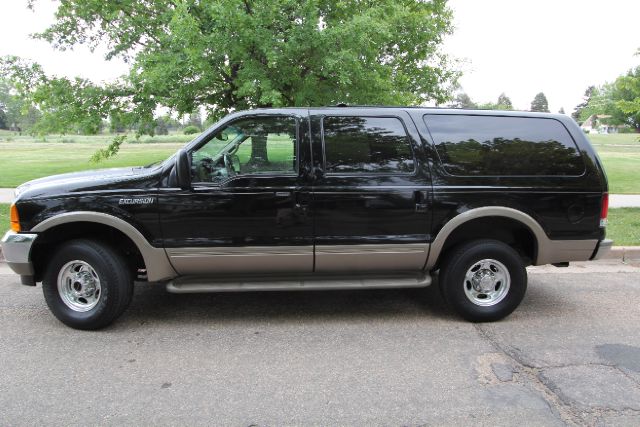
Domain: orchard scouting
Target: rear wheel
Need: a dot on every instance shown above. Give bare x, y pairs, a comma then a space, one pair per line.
87, 284
483, 280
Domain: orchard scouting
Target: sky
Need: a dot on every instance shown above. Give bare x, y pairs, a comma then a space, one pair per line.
558, 47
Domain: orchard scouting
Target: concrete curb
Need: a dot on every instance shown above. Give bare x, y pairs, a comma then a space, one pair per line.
624, 253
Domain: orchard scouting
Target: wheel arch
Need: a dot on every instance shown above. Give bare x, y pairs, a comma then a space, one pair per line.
155, 259
455, 225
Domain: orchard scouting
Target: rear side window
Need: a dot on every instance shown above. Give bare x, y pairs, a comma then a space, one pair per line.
505, 146
367, 145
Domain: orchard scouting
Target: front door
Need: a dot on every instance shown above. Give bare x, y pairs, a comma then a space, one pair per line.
247, 211
371, 195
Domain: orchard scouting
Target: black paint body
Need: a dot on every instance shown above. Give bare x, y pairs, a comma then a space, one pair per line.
318, 208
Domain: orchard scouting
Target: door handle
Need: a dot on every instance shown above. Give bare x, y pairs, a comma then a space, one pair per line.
422, 201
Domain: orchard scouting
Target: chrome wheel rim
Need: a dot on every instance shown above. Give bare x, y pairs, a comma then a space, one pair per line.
487, 282
79, 286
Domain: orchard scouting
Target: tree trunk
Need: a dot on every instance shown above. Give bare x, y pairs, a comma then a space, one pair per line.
259, 150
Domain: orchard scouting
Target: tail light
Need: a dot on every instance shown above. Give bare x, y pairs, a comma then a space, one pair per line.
604, 210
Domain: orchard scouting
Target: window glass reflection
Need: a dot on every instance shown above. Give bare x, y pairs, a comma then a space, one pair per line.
507, 146
366, 145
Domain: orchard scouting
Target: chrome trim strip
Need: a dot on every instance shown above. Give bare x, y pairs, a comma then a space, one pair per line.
370, 257
549, 251
16, 249
243, 259
393, 248
155, 259
239, 251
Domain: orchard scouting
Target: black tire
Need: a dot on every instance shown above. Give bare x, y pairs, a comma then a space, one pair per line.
463, 259
115, 280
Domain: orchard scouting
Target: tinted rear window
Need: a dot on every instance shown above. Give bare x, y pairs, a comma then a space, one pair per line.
506, 146
366, 145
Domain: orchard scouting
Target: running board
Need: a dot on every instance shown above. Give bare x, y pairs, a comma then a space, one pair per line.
191, 284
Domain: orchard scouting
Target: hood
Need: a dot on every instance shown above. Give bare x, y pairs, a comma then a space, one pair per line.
91, 180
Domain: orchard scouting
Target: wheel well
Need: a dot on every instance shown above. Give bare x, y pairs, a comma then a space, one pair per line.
50, 239
507, 230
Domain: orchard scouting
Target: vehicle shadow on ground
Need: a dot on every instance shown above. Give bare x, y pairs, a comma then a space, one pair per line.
152, 303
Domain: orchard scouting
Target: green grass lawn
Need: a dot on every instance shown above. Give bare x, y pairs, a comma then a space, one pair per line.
23, 161
4, 218
624, 226
621, 157
102, 139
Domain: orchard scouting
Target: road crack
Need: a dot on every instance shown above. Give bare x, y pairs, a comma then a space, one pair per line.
530, 377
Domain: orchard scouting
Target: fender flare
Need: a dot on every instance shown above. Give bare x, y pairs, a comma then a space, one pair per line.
542, 241
155, 259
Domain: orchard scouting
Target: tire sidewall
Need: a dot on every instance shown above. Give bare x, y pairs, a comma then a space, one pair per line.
463, 259
106, 309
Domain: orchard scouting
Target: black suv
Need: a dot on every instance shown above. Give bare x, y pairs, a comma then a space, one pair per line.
321, 198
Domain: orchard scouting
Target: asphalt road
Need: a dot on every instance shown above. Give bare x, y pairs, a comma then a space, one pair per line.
569, 355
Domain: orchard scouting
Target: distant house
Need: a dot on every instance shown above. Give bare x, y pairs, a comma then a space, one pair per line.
596, 123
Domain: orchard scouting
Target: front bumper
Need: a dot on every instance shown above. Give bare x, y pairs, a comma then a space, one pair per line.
604, 246
16, 248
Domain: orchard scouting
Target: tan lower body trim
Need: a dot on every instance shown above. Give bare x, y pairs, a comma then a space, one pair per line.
362, 258
247, 259
552, 251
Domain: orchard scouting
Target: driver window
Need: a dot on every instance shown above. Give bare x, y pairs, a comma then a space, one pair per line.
257, 145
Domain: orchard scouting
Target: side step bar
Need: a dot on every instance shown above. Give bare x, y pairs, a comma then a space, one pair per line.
191, 284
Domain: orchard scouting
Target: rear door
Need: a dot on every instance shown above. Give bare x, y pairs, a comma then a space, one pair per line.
371, 197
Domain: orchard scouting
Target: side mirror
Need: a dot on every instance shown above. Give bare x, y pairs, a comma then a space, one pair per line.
183, 170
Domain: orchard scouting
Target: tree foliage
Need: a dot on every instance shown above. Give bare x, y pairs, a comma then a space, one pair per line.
3, 118
540, 103
462, 100
229, 54
627, 96
619, 101
577, 112
19, 114
504, 102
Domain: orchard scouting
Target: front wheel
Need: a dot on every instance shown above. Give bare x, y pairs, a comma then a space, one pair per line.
483, 280
87, 284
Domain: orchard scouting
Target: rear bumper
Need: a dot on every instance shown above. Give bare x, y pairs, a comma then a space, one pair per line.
16, 248
604, 246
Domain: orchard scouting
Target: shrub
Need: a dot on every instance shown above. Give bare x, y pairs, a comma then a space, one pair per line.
190, 130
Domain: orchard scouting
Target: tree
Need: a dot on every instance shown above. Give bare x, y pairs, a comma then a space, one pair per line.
195, 120
3, 118
504, 102
614, 102
561, 110
161, 127
577, 112
19, 115
462, 100
627, 97
601, 103
540, 103
230, 54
